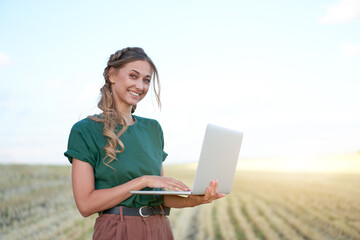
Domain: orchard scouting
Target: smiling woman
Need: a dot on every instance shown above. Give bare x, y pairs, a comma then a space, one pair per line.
123, 68
115, 152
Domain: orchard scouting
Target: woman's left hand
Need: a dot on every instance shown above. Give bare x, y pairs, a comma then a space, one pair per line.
210, 195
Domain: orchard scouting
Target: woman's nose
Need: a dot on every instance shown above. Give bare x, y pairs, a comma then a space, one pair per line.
139, 85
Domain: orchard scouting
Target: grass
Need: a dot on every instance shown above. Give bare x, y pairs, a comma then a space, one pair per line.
37, 203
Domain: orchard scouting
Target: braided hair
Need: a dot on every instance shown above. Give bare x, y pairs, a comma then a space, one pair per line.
109, 116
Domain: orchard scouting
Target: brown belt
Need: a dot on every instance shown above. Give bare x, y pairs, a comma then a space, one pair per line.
143, 211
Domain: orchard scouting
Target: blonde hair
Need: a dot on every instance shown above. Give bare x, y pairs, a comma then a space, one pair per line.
109, 116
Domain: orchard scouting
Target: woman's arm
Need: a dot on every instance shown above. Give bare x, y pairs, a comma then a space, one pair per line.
193, 200
89, 201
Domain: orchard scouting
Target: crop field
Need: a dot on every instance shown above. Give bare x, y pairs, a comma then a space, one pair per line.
277, 206
37, 203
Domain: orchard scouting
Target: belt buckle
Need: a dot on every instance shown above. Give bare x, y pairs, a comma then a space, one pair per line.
140, 212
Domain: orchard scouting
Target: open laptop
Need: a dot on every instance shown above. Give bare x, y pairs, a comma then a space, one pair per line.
218, 158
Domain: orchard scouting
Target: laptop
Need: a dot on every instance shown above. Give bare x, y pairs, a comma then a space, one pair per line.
218, 159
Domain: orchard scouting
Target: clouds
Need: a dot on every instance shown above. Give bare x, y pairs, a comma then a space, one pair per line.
55, 83
4, 59
343, 11
350, 49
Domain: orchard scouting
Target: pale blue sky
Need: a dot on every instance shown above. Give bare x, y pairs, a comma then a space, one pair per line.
284, 72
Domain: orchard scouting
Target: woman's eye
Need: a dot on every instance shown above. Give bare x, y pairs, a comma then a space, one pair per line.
147, 80
132, 75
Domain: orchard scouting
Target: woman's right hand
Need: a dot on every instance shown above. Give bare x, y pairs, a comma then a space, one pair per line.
165, 182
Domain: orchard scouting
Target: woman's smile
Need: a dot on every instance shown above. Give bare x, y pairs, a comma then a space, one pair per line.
137, 95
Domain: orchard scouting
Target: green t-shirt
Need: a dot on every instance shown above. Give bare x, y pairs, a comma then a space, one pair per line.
143, 155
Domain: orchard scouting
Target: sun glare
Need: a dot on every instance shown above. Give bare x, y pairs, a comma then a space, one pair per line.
304, 164
345, 163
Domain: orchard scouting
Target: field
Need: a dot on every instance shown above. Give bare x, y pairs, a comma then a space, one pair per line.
37, 203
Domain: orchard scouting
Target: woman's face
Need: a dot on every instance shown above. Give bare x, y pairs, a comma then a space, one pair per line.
130, 84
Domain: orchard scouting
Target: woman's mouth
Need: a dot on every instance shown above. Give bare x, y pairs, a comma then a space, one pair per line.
134, 94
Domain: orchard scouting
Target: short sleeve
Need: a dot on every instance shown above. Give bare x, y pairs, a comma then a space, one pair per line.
79, 147
164, 155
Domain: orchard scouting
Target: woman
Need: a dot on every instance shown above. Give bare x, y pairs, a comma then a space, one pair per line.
115, 152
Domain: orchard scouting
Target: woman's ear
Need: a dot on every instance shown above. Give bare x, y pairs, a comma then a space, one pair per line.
112, 72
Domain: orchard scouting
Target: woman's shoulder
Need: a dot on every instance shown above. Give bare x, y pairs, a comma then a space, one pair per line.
149, 125
146, 121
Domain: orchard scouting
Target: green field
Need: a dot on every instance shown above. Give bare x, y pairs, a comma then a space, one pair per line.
37, 203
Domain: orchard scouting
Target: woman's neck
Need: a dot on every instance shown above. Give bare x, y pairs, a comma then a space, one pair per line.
125, 116
129, 120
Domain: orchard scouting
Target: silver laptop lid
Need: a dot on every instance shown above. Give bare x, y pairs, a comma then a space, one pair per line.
218, 159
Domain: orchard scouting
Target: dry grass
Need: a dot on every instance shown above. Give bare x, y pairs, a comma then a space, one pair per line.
37, 203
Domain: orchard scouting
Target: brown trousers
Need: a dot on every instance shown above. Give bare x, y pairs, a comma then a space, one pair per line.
111, 227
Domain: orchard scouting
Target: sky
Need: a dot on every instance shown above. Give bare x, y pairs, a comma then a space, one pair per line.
286, 73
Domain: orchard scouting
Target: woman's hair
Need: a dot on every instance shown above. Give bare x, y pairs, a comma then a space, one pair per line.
109, 116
